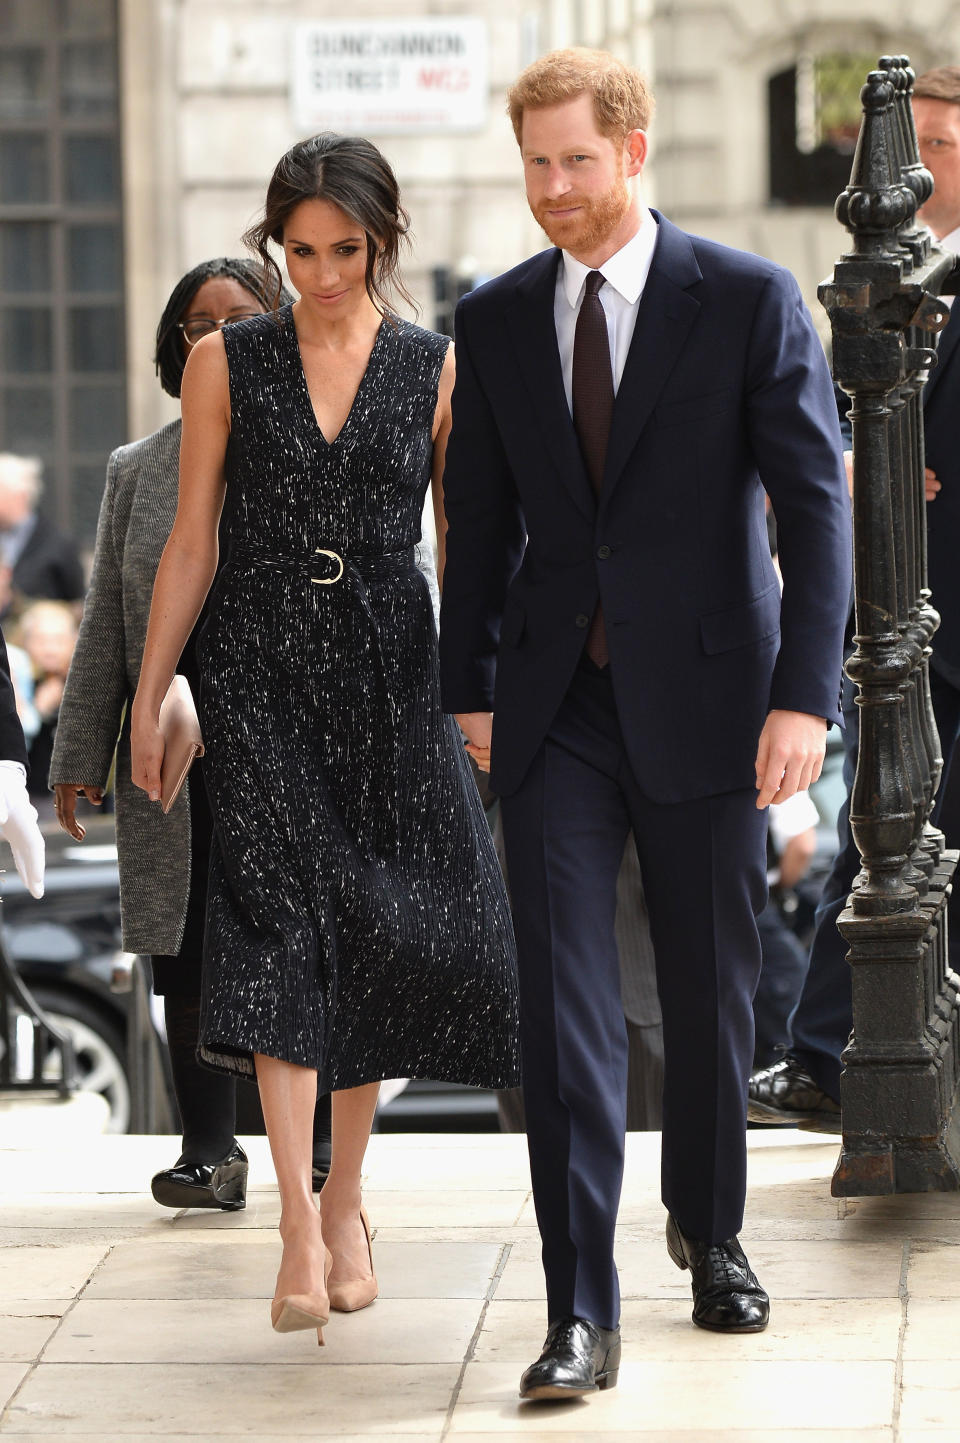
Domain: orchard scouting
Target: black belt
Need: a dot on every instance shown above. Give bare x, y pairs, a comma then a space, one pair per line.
325, 567
375, 722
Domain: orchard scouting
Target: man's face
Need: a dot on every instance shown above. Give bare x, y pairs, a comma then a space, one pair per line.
576, 178
938, 131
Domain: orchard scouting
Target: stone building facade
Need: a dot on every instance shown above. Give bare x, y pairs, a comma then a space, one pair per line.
206, 107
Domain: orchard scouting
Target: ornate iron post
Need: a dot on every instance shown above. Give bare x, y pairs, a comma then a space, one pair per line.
900, 1106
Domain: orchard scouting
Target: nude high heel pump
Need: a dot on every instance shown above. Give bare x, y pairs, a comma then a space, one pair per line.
350, 1297
298, 1311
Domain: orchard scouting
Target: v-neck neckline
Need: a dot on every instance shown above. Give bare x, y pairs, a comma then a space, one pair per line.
308, 399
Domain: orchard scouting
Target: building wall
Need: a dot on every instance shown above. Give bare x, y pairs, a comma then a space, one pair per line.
207, 114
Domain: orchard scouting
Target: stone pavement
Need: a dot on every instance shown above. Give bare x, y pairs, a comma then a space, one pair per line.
120, 1321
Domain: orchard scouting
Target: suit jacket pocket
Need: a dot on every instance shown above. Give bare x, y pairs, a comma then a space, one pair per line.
694, 409
752, 621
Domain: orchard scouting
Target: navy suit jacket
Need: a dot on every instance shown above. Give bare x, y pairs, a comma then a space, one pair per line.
941, 424
725, 383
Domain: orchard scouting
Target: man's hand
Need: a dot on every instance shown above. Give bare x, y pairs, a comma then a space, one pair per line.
18, 825
477, 727
930, 483
790, 755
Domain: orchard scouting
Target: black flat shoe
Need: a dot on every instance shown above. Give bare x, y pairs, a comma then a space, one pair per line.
727, 1298
321, 1162
220, 1184
786, 1093
577, 1358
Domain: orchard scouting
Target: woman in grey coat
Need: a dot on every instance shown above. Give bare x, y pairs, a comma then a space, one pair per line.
163, 859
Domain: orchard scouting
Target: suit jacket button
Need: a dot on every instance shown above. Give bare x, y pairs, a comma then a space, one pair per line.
603, 552
583, 620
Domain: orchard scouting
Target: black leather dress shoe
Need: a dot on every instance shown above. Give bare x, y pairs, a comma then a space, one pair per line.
727, 1298
786, 1093
220, 1184
577, 1358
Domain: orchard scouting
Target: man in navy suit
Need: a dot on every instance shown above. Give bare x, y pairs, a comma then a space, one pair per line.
612, 636
804, 1085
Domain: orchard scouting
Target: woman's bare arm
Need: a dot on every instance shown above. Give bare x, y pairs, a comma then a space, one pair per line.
441, 430
189, 560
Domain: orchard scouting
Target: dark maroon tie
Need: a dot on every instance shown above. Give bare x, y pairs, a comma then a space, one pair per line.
592, 409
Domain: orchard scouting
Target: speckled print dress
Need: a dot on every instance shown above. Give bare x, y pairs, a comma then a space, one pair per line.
357, 921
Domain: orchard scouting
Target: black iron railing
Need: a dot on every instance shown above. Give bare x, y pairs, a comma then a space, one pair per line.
901, 1129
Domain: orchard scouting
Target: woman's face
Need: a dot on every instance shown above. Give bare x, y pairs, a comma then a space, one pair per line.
326, 255
219, 299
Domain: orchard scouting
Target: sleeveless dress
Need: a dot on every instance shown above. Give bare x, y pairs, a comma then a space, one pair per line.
357, 921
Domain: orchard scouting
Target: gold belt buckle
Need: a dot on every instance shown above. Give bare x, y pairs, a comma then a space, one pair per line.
327, 580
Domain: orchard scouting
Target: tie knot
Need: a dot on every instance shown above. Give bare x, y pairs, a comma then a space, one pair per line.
595, 279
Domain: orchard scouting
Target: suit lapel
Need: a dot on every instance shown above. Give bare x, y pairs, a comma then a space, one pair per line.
664, 318
949, 337
534, 334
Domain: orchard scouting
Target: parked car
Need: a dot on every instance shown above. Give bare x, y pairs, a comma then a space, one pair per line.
67, 949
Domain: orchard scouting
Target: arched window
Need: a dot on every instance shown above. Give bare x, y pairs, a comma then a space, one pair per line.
814, 116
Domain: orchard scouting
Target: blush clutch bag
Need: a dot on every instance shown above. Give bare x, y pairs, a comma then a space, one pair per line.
182, 742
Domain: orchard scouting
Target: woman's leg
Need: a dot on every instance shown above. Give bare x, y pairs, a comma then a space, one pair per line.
288, 1095
343, 1232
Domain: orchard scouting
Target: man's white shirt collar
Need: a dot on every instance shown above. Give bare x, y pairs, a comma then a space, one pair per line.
626, 270
951, 242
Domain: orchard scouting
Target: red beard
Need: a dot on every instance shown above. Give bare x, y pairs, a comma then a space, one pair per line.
597, 218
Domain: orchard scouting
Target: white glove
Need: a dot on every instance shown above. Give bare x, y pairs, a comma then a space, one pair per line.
18, 824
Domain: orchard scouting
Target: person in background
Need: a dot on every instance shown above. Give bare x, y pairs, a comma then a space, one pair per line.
18, 818
791, 843
163, 859
36, 560
804, 1084
47, 632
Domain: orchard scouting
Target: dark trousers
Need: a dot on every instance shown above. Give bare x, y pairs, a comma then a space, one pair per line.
704, 875
823, 1020
782, 975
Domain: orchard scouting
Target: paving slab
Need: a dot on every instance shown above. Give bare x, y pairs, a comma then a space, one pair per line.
122, 1321
48, 1272
236, 1330
685, 1395
290, 1400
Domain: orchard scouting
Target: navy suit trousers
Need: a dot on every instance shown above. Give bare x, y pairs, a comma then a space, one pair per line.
823, 1019
703, 865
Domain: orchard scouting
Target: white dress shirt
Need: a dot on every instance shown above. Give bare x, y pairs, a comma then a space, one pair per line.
626, 275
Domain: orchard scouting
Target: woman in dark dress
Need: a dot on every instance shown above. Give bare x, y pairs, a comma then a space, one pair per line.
357, 926
163, 860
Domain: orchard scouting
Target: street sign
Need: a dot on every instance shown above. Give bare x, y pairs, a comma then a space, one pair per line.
390, 77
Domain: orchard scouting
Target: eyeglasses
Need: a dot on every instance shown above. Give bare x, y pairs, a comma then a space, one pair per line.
194, 331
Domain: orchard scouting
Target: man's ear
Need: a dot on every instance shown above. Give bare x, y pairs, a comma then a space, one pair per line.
635, 147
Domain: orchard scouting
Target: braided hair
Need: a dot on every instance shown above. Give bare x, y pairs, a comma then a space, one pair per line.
169, 357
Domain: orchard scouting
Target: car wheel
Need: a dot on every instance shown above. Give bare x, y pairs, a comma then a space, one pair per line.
99, 1047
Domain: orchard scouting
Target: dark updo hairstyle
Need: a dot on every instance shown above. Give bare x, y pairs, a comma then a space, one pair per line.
170, 357
351, 173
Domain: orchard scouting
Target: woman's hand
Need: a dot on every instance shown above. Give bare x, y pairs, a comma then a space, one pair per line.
66, 794
146, 754
477, 728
